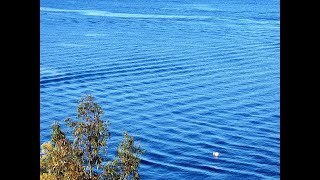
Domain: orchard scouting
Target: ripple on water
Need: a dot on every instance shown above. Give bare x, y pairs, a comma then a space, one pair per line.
186, 79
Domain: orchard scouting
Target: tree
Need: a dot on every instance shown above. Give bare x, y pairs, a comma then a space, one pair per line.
62, 159
127, 163
90, 133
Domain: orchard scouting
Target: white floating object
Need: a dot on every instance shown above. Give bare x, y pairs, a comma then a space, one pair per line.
215, 154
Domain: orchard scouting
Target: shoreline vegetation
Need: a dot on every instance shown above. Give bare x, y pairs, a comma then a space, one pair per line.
81, 159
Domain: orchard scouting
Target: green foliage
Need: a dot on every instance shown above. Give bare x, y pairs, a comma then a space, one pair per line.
90, 132
57, 134
112, 170
127, 163
62, 159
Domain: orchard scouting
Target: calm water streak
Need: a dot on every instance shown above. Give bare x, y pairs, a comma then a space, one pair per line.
186, 78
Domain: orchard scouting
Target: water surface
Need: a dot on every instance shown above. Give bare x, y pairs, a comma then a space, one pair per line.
186, 78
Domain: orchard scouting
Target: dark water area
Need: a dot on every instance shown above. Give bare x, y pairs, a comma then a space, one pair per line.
186, 78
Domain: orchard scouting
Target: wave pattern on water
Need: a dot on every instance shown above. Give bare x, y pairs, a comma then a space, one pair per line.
185, 79
121, 15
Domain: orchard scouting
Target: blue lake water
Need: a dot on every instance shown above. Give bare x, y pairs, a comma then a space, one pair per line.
186, 78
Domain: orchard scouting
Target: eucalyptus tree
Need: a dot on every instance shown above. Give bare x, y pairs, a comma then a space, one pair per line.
65, 160
90, 132
59, 159
126, 164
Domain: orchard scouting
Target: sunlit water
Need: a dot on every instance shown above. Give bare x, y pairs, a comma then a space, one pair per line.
186, 78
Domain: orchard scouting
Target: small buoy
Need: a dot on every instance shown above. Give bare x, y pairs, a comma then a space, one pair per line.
215, 154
